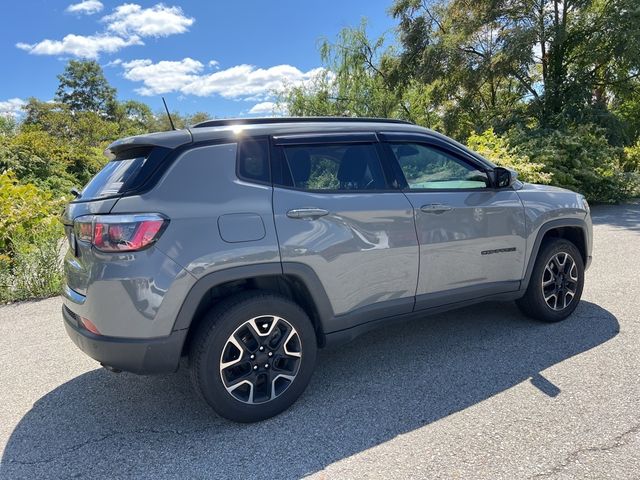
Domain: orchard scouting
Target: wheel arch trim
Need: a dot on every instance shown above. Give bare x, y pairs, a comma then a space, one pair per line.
542, 231
299, 271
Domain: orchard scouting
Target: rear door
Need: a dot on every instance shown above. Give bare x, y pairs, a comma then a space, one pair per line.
335, 213
471, 235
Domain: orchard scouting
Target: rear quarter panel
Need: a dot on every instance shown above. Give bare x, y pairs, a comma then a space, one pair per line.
200, 193
207, 204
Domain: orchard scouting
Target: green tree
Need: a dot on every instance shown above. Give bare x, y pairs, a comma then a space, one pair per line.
83, 88
161, 121
556, 61
133, 118
35, 156
466, 54
8, 125
70, 142
355, 82
60, 120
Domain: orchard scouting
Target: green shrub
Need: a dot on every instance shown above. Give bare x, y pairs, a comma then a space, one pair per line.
497, 149
631, 161
30, 241
579, 158
35, 269
22, 209
39, 158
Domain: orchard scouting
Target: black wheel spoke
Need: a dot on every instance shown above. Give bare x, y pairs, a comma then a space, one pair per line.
278, 335
237, 373
247, 337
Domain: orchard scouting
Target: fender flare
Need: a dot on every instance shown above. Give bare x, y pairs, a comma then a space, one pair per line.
299, 271
542, 231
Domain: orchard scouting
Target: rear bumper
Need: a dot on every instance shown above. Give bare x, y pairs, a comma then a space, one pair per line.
141, 356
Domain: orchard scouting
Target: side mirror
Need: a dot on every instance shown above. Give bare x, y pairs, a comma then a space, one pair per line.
504, 177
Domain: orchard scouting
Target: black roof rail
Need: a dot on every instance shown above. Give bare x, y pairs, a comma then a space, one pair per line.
268, 120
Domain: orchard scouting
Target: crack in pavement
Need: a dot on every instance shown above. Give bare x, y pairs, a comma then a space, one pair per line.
618, 441
75, 448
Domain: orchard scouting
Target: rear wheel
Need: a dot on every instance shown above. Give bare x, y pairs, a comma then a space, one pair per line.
253, 356
556, 283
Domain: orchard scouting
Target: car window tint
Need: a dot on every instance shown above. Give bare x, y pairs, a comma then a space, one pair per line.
113, 178
430, 168
334, 167
253, 160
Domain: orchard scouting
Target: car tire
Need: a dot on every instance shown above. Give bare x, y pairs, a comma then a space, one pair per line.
556, 282
253, 356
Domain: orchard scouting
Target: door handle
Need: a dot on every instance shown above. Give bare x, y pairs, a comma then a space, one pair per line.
436, 208
308, 213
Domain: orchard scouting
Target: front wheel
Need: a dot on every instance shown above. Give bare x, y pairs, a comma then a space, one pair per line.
556, 283
253, 356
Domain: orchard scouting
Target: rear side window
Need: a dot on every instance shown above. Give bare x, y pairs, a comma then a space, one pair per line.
253, 160
332, 167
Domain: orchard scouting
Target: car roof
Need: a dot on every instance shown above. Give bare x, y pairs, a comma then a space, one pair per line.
220, 122
220, 129
217, 129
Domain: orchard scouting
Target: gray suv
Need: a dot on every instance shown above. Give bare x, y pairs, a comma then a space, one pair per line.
246, 245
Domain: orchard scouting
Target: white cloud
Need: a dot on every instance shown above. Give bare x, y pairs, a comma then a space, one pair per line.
241, 81
162, 77
124, 27
246, 80
12, 107
266, 108
157, 21
80, 46
114, 63
87, 7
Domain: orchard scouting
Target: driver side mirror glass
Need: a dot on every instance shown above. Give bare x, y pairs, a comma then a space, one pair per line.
504, 177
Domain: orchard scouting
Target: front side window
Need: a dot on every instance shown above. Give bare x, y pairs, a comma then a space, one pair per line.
332, 167
427, 167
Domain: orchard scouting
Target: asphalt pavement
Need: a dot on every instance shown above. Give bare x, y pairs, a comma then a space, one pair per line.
481, 392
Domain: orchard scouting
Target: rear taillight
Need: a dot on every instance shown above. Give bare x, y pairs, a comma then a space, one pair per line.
120, 233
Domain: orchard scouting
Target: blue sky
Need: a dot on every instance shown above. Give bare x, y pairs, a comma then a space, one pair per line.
221, 57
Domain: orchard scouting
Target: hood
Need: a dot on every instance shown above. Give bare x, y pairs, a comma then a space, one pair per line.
534, 187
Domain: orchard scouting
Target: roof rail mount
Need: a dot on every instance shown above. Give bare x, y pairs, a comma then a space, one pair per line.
267, 120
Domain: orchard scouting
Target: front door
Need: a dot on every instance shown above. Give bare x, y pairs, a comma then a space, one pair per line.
471, 235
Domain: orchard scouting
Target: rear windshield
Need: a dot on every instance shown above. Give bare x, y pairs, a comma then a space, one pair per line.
134, 170
113, 179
